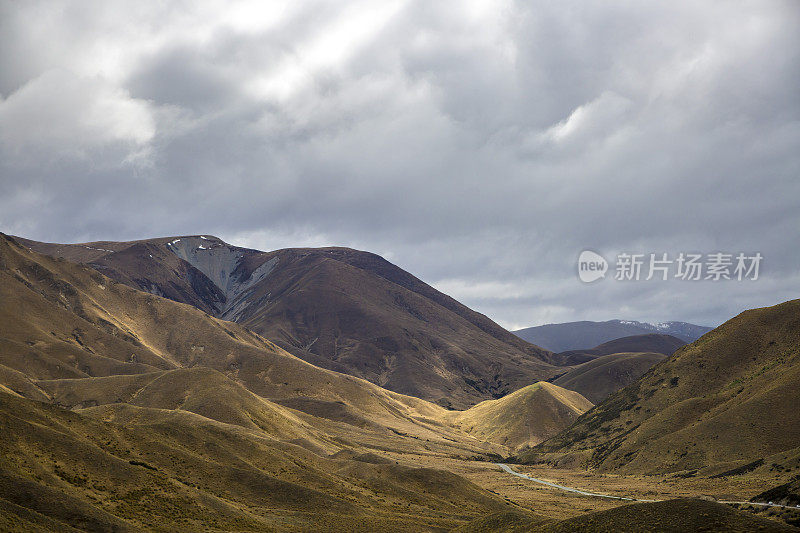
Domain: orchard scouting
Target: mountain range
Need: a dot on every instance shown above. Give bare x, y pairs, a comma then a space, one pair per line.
337, 308
579, 335
123, 410
183, 383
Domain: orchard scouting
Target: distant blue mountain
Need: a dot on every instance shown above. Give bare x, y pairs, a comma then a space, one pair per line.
586, 334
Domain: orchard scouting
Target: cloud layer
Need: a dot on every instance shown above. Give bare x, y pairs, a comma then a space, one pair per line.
480, 145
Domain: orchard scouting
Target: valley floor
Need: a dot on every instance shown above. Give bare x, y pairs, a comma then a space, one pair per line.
559, 504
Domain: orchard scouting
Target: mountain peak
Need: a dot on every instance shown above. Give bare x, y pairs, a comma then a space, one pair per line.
339, 308
570, 336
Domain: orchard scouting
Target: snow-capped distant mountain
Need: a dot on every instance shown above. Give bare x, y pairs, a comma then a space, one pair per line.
682, 330
586, 334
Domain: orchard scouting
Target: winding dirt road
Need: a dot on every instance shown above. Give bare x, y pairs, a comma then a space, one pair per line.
511, 471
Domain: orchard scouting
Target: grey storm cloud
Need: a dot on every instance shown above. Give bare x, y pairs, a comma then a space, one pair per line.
480, 145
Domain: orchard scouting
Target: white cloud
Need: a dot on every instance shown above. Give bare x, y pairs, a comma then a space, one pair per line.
592, 121
479, 144
59, 113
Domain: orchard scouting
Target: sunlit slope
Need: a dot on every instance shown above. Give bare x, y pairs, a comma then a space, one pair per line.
199, 390
60, 320
525, 417
321, 425
174, 470
338, 308
726, 400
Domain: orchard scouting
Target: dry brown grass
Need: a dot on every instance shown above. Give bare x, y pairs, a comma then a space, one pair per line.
727, 400
523, 418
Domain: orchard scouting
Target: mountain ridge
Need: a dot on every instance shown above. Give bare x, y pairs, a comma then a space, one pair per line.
338, 308
580, 335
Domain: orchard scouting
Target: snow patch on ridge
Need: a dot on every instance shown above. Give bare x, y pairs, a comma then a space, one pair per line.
219, 262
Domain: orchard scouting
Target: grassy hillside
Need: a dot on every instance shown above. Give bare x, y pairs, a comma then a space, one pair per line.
341, 309
673, 516
174, 470
525, 417
726, 401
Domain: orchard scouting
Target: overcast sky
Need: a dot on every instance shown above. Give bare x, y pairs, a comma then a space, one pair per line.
481, 145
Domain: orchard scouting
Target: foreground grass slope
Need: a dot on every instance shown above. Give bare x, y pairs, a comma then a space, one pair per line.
673, 516
143, 468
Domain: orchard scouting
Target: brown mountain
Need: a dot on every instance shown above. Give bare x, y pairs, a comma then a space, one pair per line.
649, 343
337, 308
599, 377
70, 334
722, 405
179, 420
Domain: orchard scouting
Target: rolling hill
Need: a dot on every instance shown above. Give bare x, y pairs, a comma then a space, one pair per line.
523, 418
127, 468
63, 326
649, 343
723, 405
338, 308
125, 411
598, 378
579, 335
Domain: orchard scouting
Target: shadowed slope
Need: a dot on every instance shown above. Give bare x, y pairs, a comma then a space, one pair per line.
339, 315
650, 343
598, 378
673, 516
